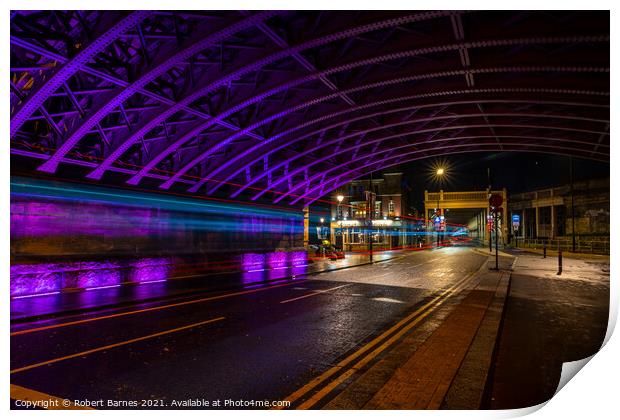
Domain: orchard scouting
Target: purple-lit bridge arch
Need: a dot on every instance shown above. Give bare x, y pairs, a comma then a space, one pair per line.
286, 106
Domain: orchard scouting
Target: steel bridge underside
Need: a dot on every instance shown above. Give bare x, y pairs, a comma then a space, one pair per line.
285, 106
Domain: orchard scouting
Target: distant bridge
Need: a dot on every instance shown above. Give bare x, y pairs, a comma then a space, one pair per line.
442, 200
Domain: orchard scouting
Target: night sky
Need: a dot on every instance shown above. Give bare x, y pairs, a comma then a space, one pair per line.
517, 172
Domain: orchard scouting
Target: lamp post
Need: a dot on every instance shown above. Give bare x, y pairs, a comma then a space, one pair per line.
439, 173
340, 197
322, 220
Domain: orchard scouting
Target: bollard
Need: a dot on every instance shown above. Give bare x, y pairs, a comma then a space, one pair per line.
544, 249
559, 262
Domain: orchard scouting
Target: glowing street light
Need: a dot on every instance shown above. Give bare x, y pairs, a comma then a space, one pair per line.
440, 172
340, 197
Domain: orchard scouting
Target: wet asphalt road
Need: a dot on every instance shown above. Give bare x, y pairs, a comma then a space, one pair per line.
261, 344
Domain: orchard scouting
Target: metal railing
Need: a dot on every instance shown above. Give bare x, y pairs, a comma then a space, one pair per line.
589, 246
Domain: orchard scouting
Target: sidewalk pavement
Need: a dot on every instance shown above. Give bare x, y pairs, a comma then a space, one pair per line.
550, 319
566, 254
585, 269
485, 251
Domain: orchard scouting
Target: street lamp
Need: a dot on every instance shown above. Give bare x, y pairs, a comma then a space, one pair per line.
340, 197
439, 173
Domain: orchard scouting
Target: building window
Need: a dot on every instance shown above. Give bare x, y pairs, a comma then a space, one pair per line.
377, 210
391, 208
357, 236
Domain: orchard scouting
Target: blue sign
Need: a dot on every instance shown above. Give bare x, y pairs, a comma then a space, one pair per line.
516, 218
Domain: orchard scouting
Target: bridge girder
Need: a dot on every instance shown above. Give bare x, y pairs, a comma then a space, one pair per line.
288, 105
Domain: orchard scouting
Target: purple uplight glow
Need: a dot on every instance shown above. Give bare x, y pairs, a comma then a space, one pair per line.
277, 260
299, 258
36, 283
97, 279
273, 265
150, 270
253, 262
39, 279
253, 267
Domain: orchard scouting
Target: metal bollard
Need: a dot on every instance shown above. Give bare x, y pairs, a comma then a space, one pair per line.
559, 262
544, 249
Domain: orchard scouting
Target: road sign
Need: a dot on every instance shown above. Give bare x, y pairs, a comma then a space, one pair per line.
496, 200
516, 222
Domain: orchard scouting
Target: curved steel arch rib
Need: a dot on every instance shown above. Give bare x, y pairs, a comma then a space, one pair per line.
125, 93
204, 155
290, 102
359, 118
341, 151
97, 173
37, 99
435, 130
244, 103
356, 173
386, 162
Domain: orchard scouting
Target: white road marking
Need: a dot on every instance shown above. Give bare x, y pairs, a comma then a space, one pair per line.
315, 293
386, 299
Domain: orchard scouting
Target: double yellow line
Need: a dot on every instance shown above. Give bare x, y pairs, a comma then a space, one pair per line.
338, 374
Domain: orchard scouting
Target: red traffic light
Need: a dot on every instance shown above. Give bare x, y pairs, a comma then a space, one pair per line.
496, 200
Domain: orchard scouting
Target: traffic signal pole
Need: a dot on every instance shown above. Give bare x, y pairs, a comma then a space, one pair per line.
370, 206
490, 237
496, 246
495, 202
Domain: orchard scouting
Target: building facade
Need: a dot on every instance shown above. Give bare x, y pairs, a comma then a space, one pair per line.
552, 212
385, 215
